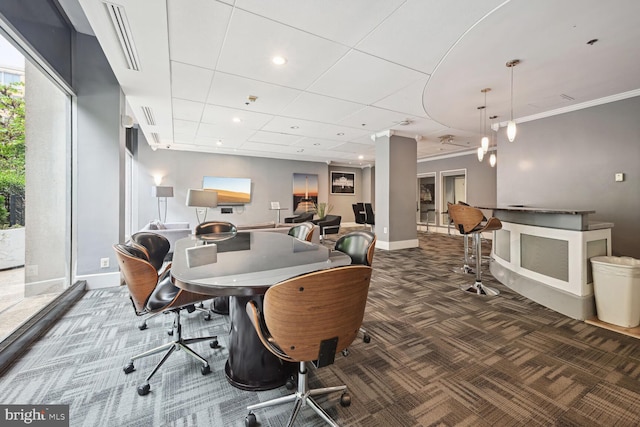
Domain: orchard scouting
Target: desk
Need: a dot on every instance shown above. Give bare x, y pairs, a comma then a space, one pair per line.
246, 265
544, 255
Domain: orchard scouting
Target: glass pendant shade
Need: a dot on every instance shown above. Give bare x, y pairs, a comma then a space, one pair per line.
511, 130
484, 144
480, 154
492, 160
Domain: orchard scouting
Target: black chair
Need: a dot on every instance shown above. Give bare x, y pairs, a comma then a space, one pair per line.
157, 247
303, 231
151, 293
369, 218
358, 213
304, 217
360, 246
330, 224
309, 319
219, 305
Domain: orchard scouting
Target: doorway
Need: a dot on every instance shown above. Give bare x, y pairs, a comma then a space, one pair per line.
427, 213
454, 190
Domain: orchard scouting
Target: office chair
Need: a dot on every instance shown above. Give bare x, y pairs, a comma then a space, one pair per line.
156, 248
151, 293
360, 246
370, 217
303, 231
310, 318
469, 221
358, 213
219, 305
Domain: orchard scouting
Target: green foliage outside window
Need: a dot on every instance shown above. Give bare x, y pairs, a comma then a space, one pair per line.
12, 146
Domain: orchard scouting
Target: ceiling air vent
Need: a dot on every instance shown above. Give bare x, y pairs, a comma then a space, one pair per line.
123, 31
148, 115
156, 137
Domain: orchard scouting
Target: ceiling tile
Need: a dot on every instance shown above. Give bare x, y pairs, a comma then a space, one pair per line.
196, 31
233, 91
248, 53
187, 110
224, 132
316, 143
347, 27
189, 82
274, 138
407, 100
185, 128
363, 78
320, 108
374, 119
225, 116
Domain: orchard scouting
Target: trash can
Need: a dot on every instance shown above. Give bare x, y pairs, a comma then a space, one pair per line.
616, 285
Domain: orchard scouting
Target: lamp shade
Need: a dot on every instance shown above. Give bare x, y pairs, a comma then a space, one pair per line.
162, 191
202, 198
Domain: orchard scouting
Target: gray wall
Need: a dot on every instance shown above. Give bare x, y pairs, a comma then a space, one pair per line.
481, 178
271, 180
569, 161
100, 141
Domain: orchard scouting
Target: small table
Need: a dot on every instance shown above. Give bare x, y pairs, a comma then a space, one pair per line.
278, 214
244, 266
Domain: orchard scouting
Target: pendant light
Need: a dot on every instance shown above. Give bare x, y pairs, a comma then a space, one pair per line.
494, 141
485, 139
492, 160
481, 150
480, 154
511, 125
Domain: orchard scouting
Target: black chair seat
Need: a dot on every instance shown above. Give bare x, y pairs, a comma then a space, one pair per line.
163, 294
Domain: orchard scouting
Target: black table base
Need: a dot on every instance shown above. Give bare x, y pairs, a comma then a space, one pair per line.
250, 365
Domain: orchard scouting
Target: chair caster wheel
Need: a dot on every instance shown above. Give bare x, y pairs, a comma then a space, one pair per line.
250, 420
142, 326
207, 317
366, 338
205, 369
345, 400
170, 332
129, 368
345, 352
214, 344
144, 389
290, 384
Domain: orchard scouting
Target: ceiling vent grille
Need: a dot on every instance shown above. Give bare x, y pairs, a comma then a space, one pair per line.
156, 137
148, 115
123, 31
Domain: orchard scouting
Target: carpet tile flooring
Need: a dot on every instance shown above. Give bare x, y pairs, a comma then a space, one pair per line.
438, 357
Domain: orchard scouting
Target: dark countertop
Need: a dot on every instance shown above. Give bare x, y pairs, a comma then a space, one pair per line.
531, 209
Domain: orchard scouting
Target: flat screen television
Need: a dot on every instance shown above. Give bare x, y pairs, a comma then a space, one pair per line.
231, 191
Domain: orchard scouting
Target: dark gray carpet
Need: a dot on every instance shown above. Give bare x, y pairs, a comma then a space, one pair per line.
437, 357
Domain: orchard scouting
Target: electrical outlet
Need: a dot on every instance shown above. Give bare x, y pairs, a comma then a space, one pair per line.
104, 262
384, 230
619, 177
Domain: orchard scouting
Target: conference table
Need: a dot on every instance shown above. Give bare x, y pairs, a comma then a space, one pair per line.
243, 266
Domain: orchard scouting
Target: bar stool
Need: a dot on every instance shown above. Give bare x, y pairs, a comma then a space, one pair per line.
469, 221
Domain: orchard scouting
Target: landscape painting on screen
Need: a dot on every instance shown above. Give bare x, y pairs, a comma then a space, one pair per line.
231, 191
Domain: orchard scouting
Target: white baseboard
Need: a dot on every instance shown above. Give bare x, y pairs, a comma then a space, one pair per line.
103, 280
392, 246
44, 287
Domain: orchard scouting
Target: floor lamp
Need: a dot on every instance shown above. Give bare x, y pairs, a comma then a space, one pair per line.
202, 199
162, 192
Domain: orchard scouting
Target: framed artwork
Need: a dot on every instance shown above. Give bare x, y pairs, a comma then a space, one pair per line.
343, 182
305, 193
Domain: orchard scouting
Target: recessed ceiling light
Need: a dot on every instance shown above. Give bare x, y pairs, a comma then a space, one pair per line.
236, 120
316, 144
279, 60
360, 157
300, 150
340, 133
294, 127
219, 143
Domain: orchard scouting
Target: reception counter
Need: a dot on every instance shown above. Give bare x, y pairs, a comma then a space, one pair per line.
543, 254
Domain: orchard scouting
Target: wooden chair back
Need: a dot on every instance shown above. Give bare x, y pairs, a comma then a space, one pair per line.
465, 218
140, 276
360, 245
302, 312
